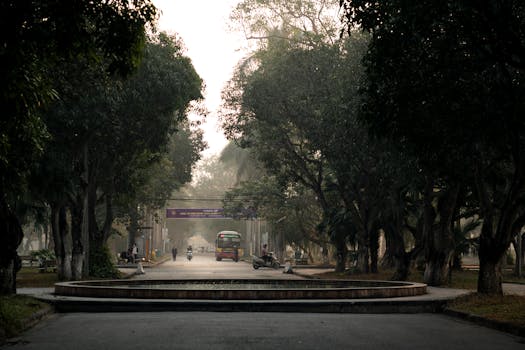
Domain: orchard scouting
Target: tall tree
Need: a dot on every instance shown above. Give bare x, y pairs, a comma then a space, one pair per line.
33, 35
445, 78
287, 110
110, 140
152, 105
306, 23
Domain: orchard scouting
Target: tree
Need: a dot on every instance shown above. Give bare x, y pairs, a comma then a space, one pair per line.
444, 79
34, 34
248, 168
156, 182
106, 144
151, 106
287, 108
295, 104
306, 23
290, 210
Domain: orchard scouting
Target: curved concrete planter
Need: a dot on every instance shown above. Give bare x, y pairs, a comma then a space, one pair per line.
239, 289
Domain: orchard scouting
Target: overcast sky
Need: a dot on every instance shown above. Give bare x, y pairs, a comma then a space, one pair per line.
213, 49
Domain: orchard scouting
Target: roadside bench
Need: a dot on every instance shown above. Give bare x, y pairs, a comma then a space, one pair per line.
47, 266
301, 261
27, 260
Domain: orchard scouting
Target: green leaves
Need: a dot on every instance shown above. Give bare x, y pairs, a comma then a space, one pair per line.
36, 35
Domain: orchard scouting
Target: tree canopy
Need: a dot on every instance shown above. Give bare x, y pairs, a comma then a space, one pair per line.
35, 36
445, 79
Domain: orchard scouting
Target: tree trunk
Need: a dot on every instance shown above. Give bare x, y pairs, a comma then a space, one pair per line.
108, 222
77, 247
396, 250
374, 250
340, 255
11, 236
8, 276
82, 244
489, 279
341, 251
490, 256
57, 239
324, 252
62, 242
94, 234
440, 239
437, 268
363, 252
500, 225
133, 226
394, 247
518, 244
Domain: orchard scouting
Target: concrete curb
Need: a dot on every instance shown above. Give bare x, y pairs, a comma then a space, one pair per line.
73, 304
37, 317
500, 326
29, 322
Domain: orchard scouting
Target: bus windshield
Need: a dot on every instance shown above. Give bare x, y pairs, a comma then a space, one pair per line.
228, 245
228, 240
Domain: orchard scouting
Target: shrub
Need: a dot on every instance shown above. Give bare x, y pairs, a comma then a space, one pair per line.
43, 254
101, 264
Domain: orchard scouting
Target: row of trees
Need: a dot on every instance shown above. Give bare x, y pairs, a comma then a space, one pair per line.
410, 125
96, 125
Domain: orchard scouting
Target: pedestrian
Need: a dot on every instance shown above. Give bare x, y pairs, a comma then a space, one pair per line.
235, 253
130, 255
134, 252
174, 253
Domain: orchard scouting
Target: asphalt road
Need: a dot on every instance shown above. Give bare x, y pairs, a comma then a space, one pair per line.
240, 330
205, 330
205, 266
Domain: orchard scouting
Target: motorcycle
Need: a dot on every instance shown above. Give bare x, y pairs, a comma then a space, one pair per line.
271, 261
189, 255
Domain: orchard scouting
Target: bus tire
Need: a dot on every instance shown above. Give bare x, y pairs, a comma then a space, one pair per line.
218, 259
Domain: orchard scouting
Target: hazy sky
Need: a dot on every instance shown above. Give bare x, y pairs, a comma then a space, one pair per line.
203, 26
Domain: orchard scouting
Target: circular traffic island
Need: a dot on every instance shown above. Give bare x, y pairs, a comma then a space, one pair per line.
239, 289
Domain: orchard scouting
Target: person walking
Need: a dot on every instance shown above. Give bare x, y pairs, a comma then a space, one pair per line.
174, 253
235, 253
134, 252
130, 255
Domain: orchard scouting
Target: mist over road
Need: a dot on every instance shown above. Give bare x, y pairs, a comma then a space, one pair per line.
204, 265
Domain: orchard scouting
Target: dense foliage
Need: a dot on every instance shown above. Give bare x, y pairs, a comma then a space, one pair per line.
35, 37
407, 128
445, 78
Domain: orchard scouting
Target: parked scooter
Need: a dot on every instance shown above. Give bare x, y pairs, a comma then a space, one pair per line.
270, 261
189, 255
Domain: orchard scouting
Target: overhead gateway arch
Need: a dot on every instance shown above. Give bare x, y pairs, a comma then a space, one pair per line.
196, 213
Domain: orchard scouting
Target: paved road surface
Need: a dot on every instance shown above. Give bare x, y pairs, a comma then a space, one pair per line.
205, 266
205, 330
241, 330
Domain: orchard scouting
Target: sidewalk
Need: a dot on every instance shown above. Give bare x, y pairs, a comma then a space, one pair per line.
435, 300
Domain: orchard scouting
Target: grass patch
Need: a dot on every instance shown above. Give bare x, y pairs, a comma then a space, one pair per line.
15, 311
506, 308
460, 279
32, 277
